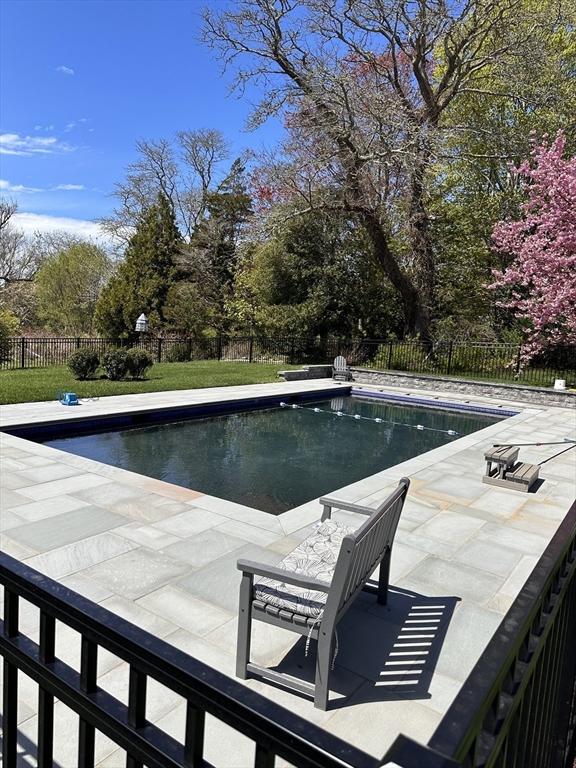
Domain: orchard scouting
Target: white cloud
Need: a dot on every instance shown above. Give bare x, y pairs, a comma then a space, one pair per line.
69, 187
35, 222
70, 126
14, 144
43, 127
6, 186
65, 70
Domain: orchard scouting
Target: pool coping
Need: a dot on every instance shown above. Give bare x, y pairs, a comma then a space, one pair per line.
307, 511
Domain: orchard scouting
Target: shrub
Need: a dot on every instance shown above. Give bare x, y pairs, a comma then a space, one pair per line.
138, 362
178, 353
83, 363
115, 364
9, 325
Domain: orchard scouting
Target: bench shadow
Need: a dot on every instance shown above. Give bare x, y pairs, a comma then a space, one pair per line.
393, 648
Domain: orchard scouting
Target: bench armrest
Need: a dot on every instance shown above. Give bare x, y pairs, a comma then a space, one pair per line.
279, 574
346, 505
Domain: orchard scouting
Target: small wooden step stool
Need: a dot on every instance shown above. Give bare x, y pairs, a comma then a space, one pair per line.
502, 469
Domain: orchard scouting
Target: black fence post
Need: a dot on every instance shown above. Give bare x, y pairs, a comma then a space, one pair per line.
450, 348
159, 349
77, 342
390, 346
251, 349
219, 347
22, 352
518, 359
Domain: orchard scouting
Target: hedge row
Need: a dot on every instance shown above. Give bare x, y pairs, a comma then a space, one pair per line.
117, 364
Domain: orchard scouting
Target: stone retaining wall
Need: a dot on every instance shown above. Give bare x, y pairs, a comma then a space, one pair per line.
537, 395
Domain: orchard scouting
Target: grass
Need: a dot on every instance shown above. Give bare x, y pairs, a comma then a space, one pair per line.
33, 384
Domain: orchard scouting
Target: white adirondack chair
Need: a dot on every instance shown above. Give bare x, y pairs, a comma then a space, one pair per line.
340, 370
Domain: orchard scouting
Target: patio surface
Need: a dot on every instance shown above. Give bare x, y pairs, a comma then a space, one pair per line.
164, 557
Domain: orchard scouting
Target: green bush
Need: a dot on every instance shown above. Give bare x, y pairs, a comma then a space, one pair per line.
5, 346
115, 364
138, 362
9, 325
83, 363
178, 353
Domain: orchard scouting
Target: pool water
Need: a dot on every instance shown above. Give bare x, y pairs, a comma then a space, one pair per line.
278, 458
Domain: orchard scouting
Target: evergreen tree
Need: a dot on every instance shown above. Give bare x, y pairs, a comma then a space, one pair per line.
227, 209
212, 256
315, 276
143, 279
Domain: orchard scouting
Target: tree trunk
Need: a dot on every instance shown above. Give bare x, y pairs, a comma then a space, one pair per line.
416, 312
419, 236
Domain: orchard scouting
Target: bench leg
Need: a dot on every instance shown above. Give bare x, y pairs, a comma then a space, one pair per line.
384, 578
244, 627
323, 662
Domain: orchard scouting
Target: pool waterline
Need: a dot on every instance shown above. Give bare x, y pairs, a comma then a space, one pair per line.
275, 459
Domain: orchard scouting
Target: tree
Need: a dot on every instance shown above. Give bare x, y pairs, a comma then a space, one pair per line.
313, 277
20, 259
473, 186
365, 86
68, 286
190, 309
143, 279
210, 260
541, 279
9, 326
184, 171
18, 262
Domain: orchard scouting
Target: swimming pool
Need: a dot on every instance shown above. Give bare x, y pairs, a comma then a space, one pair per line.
277, 458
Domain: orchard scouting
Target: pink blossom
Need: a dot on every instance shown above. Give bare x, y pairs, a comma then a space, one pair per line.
541, 279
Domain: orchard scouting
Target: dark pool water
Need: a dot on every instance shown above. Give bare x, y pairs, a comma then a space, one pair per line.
277, 458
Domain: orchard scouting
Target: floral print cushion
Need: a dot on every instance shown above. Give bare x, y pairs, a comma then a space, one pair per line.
316, 558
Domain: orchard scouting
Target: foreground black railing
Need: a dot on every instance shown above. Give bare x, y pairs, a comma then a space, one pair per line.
274, 730
518, 706
491, 361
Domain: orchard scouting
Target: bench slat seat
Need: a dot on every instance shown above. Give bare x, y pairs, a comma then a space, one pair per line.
315, 558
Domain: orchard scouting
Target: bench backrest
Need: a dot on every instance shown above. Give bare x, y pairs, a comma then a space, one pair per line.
363, 550
340, 363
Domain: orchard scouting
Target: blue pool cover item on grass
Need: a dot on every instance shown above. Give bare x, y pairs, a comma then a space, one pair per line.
68, 398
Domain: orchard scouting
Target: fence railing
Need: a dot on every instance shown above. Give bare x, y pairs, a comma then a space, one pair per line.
516, 710
490, 361
274, 730
518, 706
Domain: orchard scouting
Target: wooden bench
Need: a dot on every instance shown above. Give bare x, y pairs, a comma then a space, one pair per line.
312, 588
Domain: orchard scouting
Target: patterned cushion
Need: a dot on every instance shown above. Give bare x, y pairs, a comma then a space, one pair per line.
316, 558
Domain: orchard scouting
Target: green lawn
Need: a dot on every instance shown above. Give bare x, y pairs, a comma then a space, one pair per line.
30, 384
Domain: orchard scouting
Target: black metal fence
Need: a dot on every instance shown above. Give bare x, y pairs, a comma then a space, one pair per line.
516, 710
477, 360
518, 706
274, 730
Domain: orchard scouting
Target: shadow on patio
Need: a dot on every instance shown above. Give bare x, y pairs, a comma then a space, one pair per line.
394, 647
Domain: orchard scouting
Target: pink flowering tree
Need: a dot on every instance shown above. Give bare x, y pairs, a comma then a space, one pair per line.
540, 282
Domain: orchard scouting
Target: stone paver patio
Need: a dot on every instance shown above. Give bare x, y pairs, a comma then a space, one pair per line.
165, 558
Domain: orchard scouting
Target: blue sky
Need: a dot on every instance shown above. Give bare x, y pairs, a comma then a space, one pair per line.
82, 80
